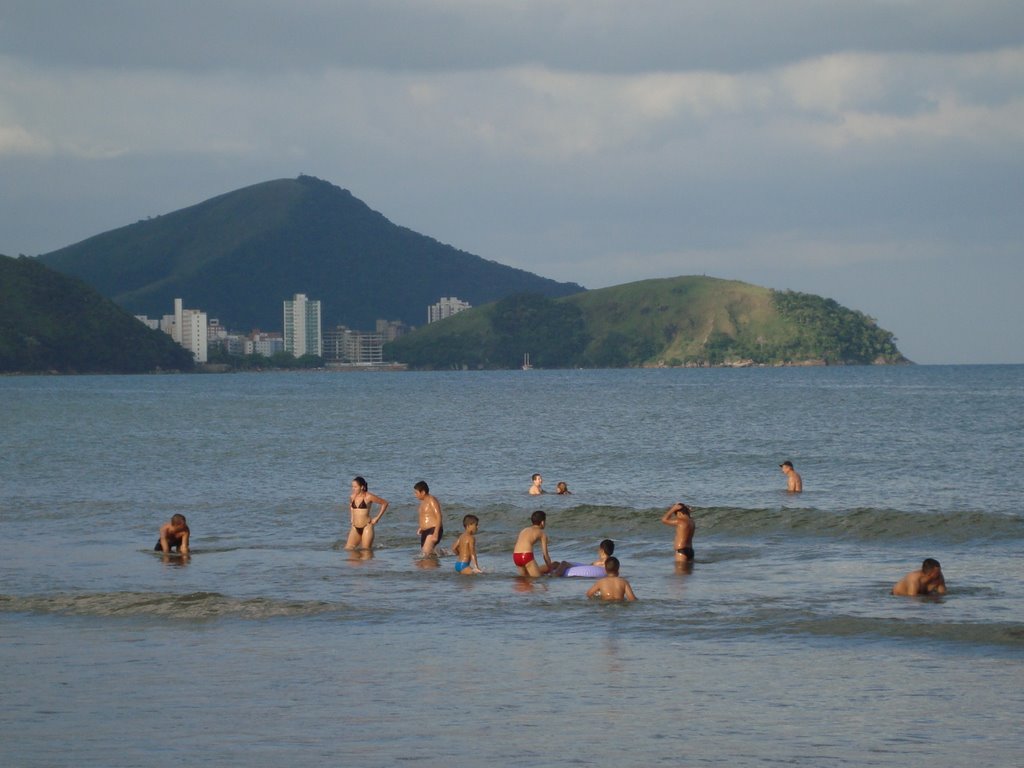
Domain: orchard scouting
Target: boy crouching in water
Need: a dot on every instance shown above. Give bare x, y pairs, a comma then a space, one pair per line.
173, 535
612, 586
465, 547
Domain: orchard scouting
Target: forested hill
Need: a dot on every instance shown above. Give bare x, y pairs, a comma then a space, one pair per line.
240, 255
51, 322
671, 322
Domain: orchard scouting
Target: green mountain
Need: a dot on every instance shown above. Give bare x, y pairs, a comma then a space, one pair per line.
51, 322
240, 255
674, 321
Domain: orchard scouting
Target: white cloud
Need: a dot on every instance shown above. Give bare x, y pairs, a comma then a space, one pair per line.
15, 140
974, 98
536, 114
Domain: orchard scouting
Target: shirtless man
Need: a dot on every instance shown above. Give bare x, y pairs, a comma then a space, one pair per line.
173, 535
522, 554
360, 502
431, 527
927, 581
678, 515
612, 586
794, 484
536, 489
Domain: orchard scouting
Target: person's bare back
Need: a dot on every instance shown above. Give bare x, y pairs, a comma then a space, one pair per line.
612, 586
927, 581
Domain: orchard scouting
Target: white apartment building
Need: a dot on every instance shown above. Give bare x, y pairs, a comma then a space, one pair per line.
193, 333
302, 326
186, 326
446, 307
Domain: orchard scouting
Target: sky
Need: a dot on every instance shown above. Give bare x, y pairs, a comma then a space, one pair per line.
869, 151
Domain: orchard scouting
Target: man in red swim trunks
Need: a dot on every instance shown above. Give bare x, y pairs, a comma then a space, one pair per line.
522, 555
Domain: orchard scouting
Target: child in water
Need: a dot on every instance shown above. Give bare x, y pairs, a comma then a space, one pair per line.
173, 535
465, 547
612, 586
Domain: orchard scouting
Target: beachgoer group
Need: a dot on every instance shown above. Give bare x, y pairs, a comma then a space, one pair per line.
174, 538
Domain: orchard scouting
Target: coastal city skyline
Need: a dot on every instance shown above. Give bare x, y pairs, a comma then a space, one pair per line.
869, 153
301, 333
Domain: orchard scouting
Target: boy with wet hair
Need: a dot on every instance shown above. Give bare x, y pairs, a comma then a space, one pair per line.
465, 547
927, 581
612, 586
522, 553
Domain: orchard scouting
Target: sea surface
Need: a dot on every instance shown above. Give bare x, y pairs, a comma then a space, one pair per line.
272, 646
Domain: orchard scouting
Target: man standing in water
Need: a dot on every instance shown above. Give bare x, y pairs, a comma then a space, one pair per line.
678, 515
431, 526
794, 484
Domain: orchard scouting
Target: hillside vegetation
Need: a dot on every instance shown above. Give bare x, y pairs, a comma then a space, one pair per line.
674, 321
240, 255
50, 322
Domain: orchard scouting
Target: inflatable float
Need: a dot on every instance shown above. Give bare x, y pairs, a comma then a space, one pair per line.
585, 571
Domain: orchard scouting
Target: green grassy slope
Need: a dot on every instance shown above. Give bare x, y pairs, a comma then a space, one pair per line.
673, 321
50, 322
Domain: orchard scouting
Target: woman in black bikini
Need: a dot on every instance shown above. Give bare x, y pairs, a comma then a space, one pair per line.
359, 505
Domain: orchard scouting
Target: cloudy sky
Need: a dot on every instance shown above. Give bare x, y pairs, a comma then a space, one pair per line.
871, 151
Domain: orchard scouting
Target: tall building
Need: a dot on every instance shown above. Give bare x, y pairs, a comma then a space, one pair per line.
343, 345
193, 331
187, 327
446, 307
302, 326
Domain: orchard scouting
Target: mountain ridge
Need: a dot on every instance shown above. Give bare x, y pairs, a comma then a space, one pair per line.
239, 255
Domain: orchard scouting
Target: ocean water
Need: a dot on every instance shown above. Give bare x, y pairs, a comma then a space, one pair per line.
273, 646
